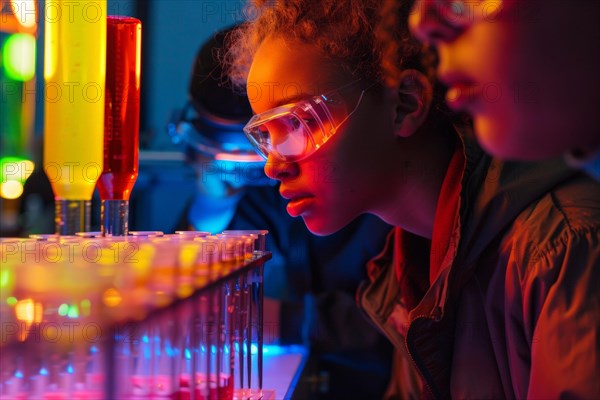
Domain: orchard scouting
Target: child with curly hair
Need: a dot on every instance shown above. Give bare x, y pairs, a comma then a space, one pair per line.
488, 286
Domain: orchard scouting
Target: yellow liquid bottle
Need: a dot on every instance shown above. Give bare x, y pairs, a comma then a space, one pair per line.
74, 74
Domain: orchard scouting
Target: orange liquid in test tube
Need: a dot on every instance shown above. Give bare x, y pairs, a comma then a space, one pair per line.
121, 124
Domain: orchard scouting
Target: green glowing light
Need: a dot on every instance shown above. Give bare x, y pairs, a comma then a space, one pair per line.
11, 301
15, 169
4, 278
19, 56
73, 311
63, 309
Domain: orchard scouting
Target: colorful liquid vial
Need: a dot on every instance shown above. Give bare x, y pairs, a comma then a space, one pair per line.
121, 122
74, 74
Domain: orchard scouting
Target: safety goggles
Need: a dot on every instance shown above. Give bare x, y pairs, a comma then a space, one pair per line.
464, 12
218, 145
211, 136
295, 131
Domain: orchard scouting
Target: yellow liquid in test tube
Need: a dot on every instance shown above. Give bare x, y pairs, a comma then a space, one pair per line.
74, 73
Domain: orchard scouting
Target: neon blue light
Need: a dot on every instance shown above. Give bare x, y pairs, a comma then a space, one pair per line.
43, 371
275, 350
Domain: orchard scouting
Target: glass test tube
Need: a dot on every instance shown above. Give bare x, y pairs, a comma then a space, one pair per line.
74, 74
121, 123
255, 309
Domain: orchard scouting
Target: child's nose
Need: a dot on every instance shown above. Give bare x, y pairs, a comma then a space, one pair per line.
280, 170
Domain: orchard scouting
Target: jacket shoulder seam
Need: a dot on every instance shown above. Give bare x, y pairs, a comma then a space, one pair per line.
558, 207
561, 240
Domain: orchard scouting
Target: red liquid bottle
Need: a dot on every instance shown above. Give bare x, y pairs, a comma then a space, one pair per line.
121, 122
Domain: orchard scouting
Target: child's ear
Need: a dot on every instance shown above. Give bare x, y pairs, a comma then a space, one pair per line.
413, 97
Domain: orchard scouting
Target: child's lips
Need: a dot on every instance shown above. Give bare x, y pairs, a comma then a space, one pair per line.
462, 96
298, 202
299, 205
462, 92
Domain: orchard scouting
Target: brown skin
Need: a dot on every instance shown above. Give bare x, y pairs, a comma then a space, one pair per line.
385, 160
531, 67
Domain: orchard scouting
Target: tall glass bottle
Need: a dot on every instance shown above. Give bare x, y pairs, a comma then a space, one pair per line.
74, 74
121, 122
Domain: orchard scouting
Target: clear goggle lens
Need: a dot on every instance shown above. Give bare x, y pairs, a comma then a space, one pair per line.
295, 131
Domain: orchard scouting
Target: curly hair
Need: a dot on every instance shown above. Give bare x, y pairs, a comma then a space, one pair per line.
399, 49
355, 33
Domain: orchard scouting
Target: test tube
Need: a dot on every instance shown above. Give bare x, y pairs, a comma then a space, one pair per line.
74, 74
121, 123
255, 306
259, 244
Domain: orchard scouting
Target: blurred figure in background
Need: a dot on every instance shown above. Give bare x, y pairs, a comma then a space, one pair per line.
524, 70
315, 278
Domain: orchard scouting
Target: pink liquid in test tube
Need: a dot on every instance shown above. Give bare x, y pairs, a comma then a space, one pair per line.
121, 122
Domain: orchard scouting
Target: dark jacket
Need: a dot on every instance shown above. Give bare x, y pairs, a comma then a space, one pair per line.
505, 301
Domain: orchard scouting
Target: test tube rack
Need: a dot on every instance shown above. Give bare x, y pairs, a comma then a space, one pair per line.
147, 316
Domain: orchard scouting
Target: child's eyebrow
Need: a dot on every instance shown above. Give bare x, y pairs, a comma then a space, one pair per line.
292, 99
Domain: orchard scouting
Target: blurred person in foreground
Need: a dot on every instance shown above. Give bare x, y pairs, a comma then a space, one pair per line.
526, 71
